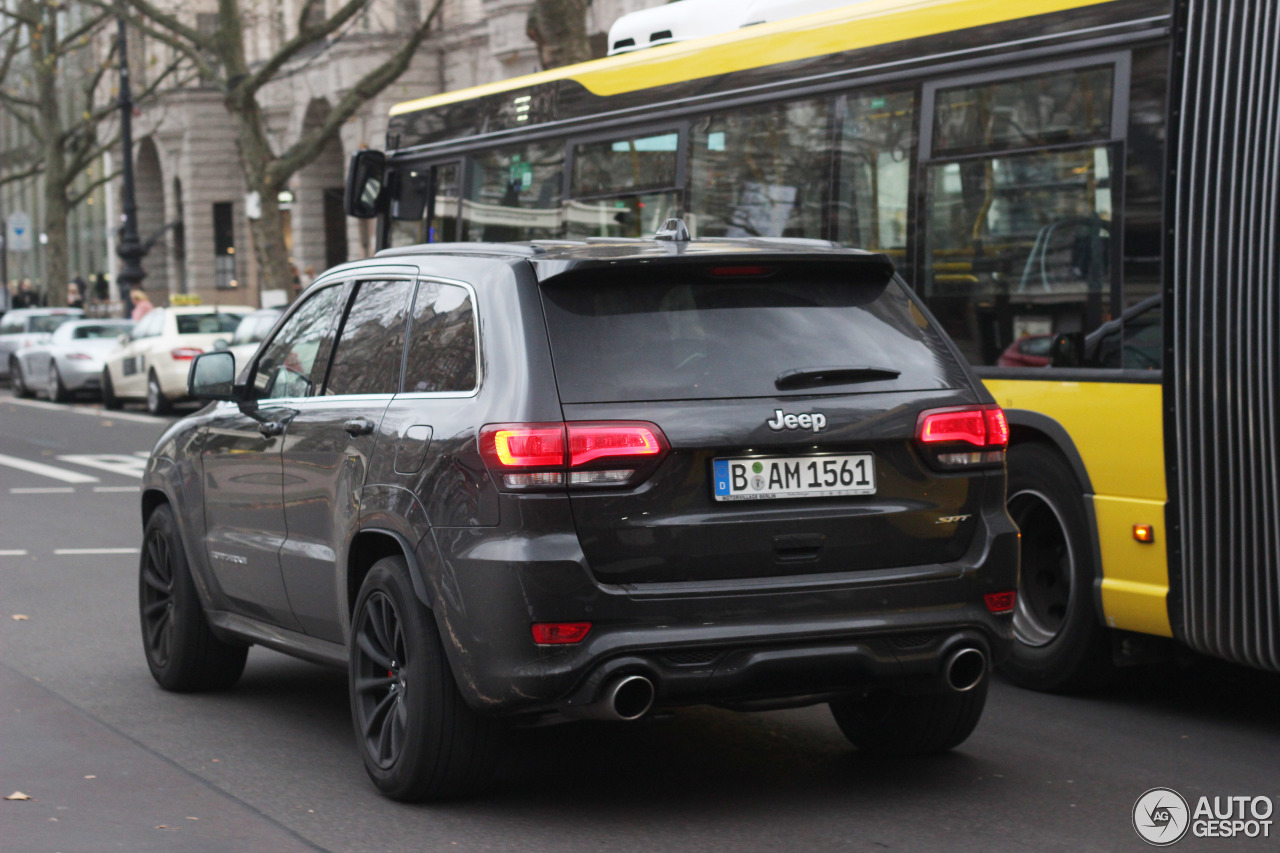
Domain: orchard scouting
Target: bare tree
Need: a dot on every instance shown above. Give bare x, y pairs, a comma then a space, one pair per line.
559, 29
50, 85
218, 54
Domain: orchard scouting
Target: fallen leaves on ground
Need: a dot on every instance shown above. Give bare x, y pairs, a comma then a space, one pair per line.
20, 617
18, 795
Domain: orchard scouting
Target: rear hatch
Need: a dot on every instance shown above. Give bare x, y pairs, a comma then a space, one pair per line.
789, 393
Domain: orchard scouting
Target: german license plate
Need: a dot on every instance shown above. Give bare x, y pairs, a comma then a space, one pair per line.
776, 477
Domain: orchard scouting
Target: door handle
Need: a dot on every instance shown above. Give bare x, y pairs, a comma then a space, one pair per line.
271, 429
358, 426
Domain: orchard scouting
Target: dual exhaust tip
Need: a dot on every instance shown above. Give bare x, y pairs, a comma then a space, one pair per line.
965, 668
629, 697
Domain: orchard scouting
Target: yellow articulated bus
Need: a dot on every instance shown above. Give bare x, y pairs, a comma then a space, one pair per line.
1086, 194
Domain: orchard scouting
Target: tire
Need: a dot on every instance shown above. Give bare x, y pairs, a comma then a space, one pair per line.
157, 402
109, 399
182, 653
890, 723
416, 734
57, 391
18, 382
1059, 643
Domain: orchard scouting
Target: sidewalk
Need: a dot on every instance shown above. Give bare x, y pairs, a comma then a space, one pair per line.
94, 789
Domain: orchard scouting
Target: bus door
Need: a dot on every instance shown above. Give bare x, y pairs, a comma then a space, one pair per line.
624, 184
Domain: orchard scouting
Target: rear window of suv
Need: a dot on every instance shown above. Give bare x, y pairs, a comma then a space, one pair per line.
674, 335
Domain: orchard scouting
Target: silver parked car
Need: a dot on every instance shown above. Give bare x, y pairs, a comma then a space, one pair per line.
26, 327
71, 361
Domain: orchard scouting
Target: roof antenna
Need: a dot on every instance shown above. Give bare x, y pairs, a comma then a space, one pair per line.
673, 230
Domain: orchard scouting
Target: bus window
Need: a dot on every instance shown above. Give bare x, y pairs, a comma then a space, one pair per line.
1018, 212
760, 172
1047, 109
514, 194
877, 136
442, 212
622, 165
608, 183
1019, 245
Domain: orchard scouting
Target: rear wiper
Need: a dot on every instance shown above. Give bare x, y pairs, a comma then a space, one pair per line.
802, 377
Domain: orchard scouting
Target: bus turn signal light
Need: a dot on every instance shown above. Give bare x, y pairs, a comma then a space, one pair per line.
1144, 533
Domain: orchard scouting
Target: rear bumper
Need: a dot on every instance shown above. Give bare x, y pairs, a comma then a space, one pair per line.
786, 640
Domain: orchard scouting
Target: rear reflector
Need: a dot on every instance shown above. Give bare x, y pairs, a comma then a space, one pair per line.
1000, 602
560, 633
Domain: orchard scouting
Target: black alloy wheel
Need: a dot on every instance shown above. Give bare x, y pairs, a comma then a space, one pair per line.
381, 680
156, 599
417, 736
181, 650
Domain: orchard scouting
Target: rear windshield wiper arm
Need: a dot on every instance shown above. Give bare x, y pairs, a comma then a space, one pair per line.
802, 377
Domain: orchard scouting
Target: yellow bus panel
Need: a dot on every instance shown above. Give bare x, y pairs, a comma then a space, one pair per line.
1119, 432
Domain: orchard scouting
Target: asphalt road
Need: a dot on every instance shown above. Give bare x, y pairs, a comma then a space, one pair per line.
113, 762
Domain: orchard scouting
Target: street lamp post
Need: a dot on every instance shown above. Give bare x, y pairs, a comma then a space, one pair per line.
130, 249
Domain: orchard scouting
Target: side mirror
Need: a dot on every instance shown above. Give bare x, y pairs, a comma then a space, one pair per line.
1067, 350
365, 179
220, 344
213, 376
123, 340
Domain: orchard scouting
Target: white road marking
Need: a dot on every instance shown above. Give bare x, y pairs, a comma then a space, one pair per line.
86, 410
68, 552
17, 553
116, 463
49, 471
52, 490
116, 488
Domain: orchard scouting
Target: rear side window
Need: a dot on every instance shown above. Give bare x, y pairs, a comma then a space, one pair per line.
208, 324
48, 323
442, 340
370, 348
685, 335
93, 332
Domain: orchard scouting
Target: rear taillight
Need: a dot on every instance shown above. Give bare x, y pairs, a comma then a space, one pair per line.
964, 437
79, 356
185, 353
593, 454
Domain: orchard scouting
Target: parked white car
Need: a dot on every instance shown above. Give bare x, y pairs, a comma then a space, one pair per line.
70, 361
25, 327
251, 332
151, 364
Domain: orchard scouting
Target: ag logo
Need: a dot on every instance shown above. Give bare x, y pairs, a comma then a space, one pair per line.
1161, 817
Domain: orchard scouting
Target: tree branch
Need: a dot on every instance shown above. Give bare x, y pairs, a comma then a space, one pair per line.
68, 42
305, 38
191, 35
11, 104
27, 173
310, 144
74, 199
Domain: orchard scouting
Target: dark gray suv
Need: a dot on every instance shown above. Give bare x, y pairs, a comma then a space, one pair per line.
505, 484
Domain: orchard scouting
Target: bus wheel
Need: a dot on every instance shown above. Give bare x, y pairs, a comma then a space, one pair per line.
1059, 643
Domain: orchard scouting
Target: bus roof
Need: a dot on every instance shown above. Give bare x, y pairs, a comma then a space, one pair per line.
866, 24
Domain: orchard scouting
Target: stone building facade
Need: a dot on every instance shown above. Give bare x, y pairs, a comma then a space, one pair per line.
190, 190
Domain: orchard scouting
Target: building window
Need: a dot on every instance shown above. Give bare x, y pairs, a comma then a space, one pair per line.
224, 247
